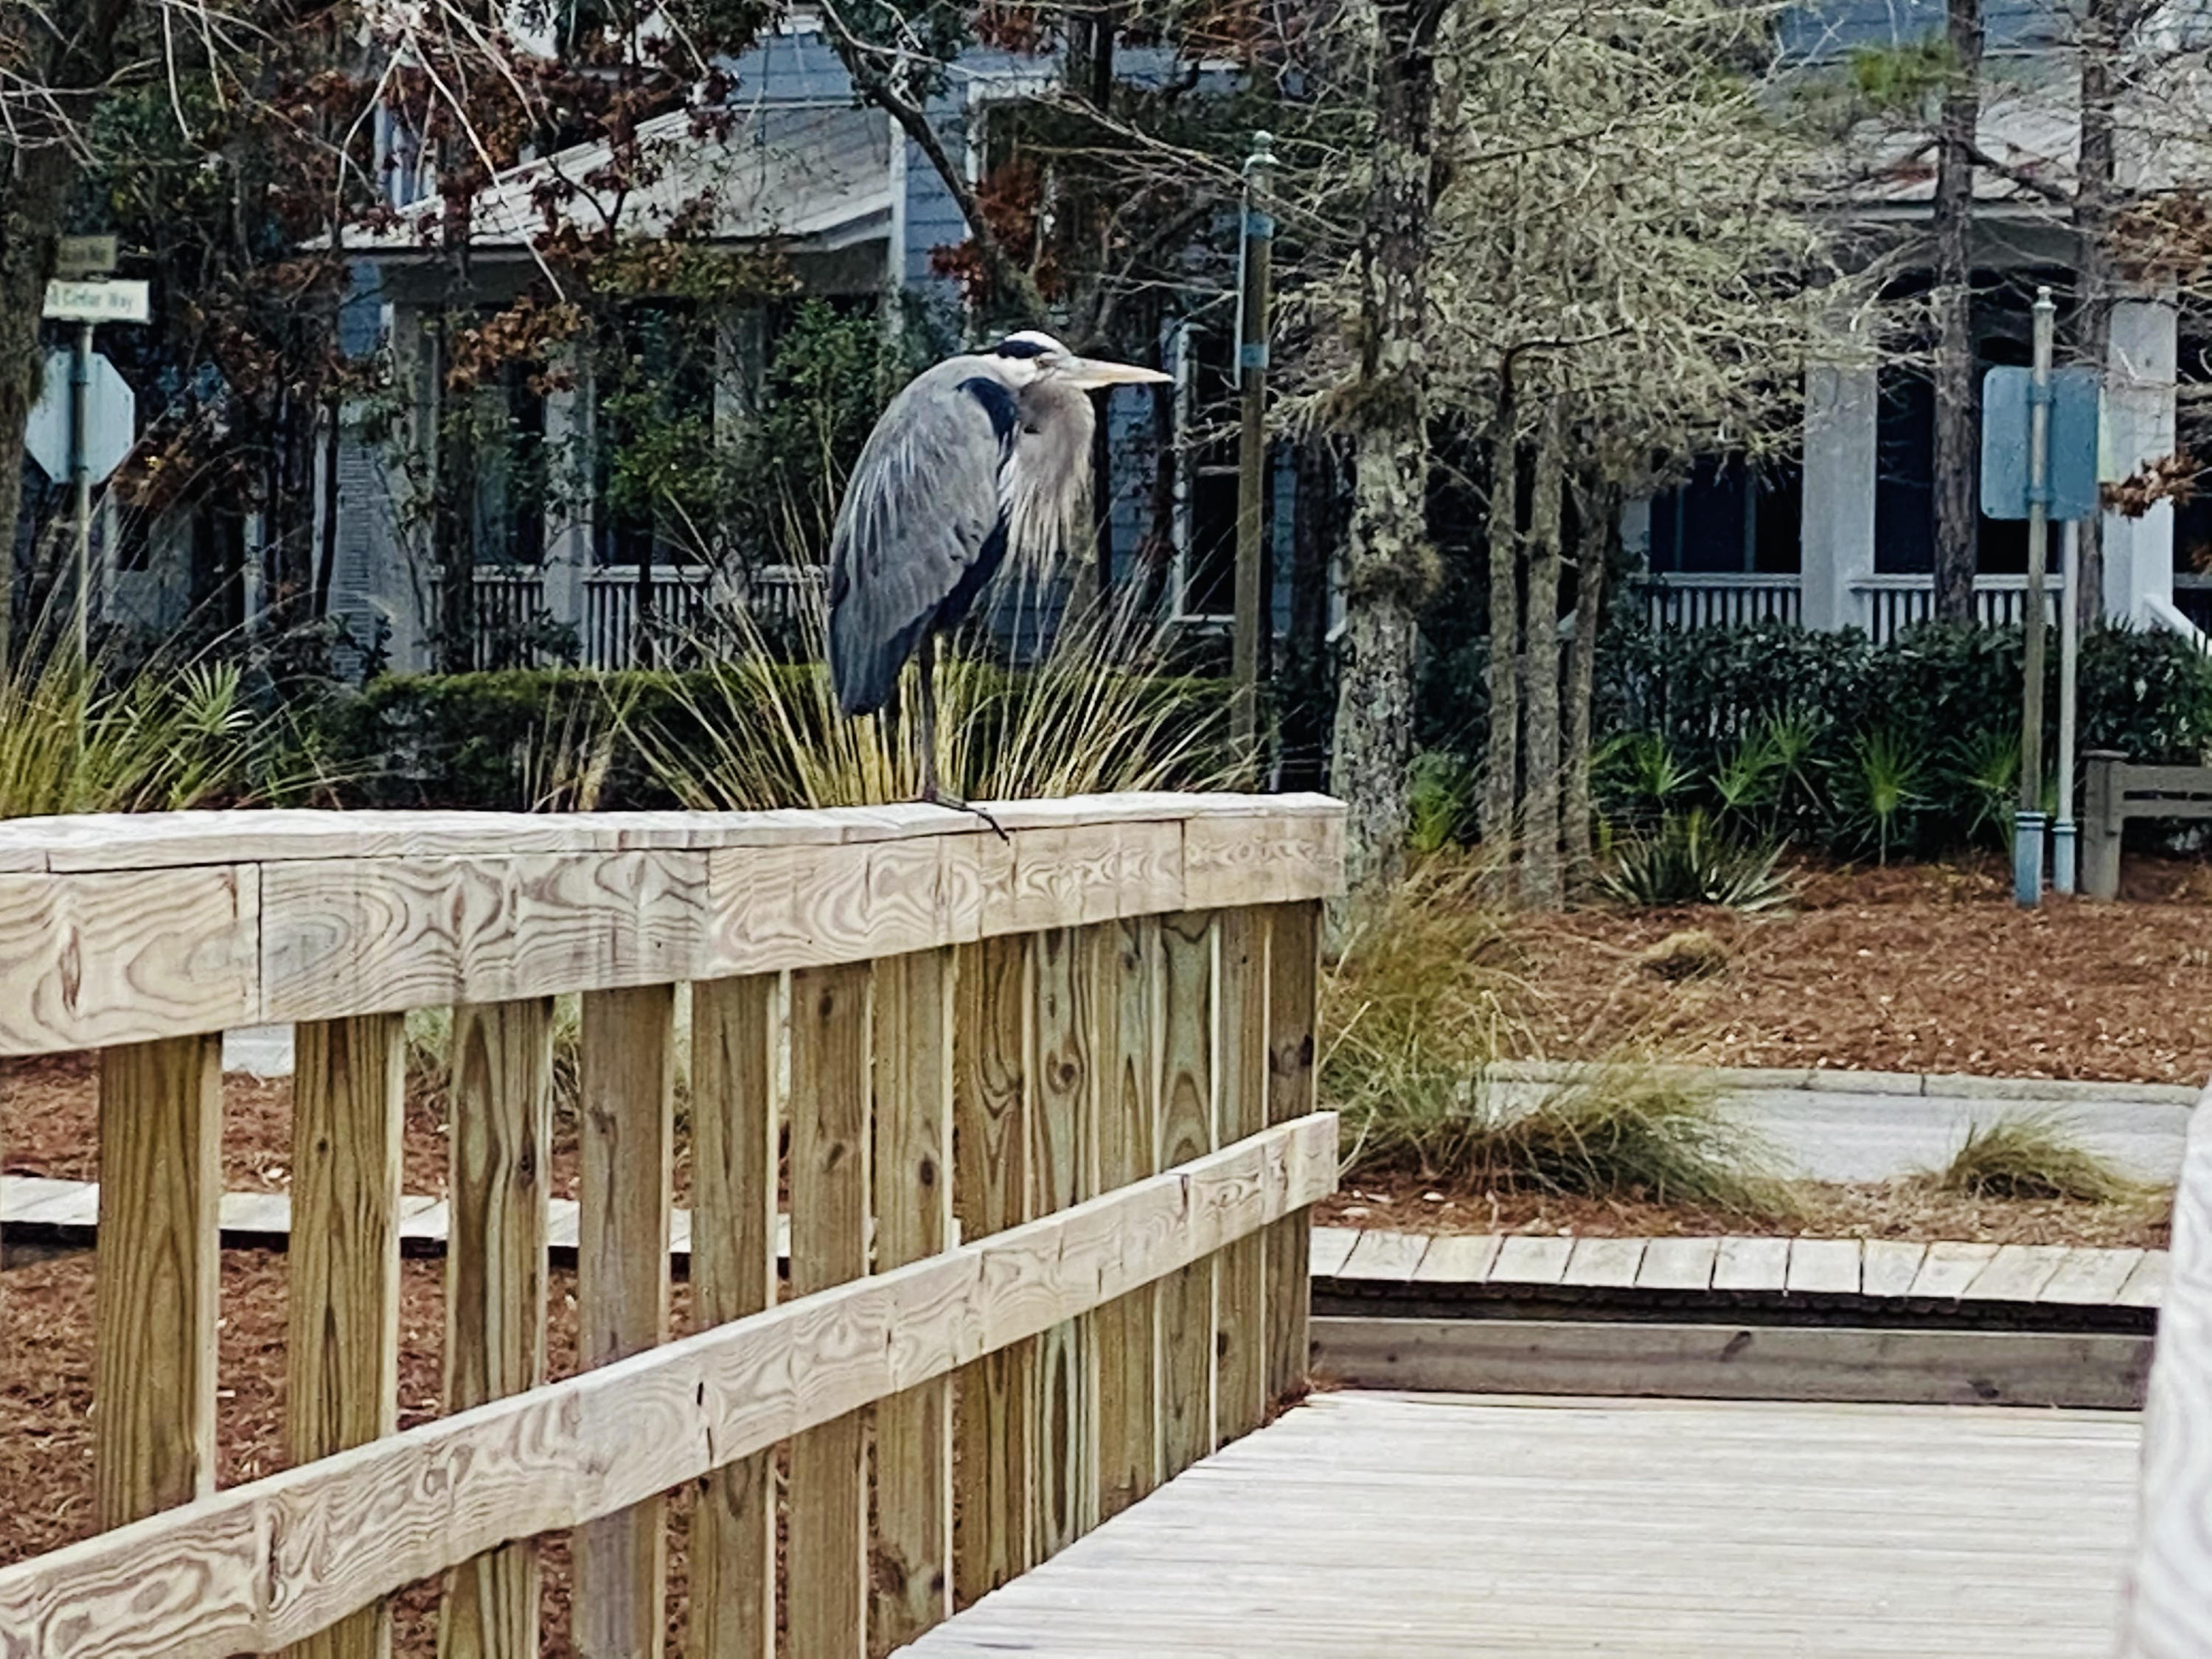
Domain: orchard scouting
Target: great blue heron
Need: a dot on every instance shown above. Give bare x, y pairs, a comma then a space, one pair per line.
984, 456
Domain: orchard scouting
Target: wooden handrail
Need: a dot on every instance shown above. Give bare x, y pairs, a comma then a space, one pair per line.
1086, 1049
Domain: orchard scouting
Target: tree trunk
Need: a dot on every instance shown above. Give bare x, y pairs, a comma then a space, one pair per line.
1601, 528
1317, 527
1388, 564
1956, 463
2101, 30
1501, 772
32, 198
1539, 807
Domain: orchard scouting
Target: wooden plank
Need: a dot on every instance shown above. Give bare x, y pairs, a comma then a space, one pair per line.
1461, 1260
911, 1584
2146, 1285
1293, 978
1186, 968
1381, 1256
2090, 1277
827, 1563
1128, 1130
2017, 1272
1888, 1267
1603, 1262
1752, 1264
1523, 1259
153, 1389
259, 1566
1240, 1013
628, 1135
501, 1112
1948, 1268
1678, 1264
341, 1311
1229, 861
1332, 1248
1064, 1123
92, 961
1711, 1361
735, 1119
1823, 1266
992, 1424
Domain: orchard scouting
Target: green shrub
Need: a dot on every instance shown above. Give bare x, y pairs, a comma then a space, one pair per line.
1687, 860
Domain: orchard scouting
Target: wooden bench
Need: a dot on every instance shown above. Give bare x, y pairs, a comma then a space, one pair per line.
2114, 792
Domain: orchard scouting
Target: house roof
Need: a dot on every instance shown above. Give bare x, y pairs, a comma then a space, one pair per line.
812, 173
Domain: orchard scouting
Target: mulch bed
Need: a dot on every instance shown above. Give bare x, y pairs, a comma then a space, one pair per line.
1910, 969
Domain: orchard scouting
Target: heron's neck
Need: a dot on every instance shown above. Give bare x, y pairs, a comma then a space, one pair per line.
1047, 484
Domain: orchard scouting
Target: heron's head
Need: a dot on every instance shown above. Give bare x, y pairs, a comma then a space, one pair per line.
1030, 355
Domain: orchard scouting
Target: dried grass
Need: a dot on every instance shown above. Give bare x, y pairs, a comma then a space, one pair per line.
2032, 1155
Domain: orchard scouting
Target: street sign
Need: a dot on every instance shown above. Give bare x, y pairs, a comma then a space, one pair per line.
122, 302
111, 419
84, 256
2071, 461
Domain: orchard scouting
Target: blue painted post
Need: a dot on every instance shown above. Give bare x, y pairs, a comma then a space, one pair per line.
2027, 860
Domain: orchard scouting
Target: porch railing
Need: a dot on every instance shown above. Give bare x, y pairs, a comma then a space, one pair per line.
1088, 1048
1891, 604
1677, 601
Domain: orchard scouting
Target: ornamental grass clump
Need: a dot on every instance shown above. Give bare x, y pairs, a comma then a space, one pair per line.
2034, 1155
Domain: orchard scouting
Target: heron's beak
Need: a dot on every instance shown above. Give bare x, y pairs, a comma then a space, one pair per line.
1091, 372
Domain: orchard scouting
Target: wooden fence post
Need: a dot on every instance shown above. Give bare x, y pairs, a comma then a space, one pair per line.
827, 1554
912, 1580
341, 1352
155, 1276
1293, 977
1240, 1005
1064, 1136
627, 1128
996, 1397
734, 1119
2102, 818
1128, 1151
501, 1114
1186, 1131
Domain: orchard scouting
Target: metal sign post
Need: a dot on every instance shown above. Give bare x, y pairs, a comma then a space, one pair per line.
2063, 866
86, 303
1254, 270
2029, 823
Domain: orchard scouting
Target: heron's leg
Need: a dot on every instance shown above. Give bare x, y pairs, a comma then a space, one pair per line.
931, 790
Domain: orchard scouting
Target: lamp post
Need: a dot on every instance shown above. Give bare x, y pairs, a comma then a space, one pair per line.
1254, 270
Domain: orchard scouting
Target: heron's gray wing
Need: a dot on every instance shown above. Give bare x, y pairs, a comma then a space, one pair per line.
919, 520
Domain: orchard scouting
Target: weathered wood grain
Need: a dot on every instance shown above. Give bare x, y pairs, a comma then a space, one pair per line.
1603, 1262
1393, 1258
1753, 1265
1264, 857
994, 1401
1461, 1260
1332, 1248
827, 1554
1063, 1124
161, 1177
2090, 1276
1678, 1264
260, 1565
1948, 1268
1128, 1130
1888, 1266
1293, 979
1522, 1259
2017, 1272
341, 1351
502, 1142
1240, 1013
1188, 1121
1823, 1266
2169, 1593
92, 961
911, 1583
627, 1136
735, 1128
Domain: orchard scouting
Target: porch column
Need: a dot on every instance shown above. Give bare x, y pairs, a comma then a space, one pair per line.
569, 486
402, 563
1836, 529
2139, 427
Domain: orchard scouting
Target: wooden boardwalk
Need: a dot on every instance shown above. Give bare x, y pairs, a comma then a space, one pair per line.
1451, 1526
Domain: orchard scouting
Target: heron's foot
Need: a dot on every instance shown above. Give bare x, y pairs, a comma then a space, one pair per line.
936, 797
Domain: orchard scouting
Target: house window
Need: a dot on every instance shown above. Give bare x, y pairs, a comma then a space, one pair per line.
1905, 470
656, 413
1206, 476
1730, 514
508, 511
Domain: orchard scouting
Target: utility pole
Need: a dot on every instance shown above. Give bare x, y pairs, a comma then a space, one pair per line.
2028, 823
1255, 269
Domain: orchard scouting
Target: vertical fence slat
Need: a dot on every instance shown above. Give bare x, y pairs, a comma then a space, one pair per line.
1064, 1136
1240, 1005
1293, 979
830, 1085
911, 1583
154, 1273
990, 1191
501, 1114
1128, 1133
342, 1353
734, 1128
1186, 1131
627, 1131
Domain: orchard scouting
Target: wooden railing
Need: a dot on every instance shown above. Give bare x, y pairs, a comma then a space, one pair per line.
1088, 1047
1676, 601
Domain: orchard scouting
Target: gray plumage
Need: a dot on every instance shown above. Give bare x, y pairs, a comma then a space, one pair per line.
985, 457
